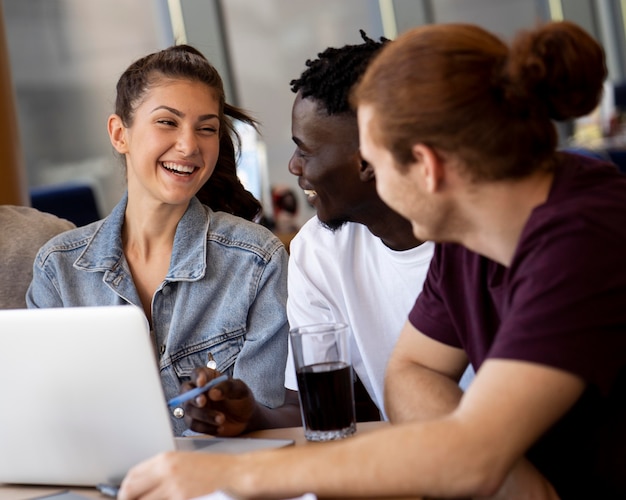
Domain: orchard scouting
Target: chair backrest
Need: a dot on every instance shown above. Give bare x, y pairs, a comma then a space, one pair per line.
74, 202
24, 231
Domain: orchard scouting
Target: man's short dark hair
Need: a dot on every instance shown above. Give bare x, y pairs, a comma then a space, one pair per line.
329, 78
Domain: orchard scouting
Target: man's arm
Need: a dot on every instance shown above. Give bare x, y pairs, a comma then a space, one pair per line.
467, 452
422, 377
421, 384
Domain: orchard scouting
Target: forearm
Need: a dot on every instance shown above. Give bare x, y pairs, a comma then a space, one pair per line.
422, 376
525, 482
413, 392
342, 469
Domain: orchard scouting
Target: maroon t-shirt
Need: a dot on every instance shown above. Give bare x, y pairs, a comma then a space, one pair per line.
561, 303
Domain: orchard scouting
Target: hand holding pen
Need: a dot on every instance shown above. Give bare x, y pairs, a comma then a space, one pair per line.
195, 392
224, 409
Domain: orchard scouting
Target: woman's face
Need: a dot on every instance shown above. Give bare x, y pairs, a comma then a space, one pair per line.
173, 144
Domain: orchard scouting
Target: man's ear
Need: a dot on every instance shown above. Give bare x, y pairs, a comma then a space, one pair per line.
366, 172
431, 167
117, 134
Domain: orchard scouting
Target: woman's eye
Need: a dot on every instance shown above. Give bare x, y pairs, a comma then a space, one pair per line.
165, 121
210, 130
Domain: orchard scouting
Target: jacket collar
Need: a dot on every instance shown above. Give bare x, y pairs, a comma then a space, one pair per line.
105, 251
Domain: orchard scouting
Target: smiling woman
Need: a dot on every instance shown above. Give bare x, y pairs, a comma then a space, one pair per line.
212, 284
171, 149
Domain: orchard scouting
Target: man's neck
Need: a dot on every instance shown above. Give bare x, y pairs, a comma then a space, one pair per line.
497, 212
393, 229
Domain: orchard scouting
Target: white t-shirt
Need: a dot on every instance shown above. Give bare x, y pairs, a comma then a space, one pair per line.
350, 276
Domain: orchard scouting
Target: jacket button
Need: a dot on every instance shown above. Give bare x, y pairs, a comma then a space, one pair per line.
211, 363
178, 412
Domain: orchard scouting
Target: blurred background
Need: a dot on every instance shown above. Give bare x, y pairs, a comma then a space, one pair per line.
65, 57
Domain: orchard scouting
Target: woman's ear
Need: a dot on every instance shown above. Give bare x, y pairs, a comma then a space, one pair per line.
117, 134
430, 166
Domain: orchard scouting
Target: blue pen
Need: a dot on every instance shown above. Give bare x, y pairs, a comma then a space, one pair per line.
108, 490
186, 396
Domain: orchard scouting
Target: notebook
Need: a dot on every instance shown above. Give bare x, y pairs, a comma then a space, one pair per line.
81, 398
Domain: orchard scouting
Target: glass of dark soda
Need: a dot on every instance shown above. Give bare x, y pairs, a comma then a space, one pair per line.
321, 356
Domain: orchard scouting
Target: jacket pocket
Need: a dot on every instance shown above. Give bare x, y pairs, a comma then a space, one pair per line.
217, 353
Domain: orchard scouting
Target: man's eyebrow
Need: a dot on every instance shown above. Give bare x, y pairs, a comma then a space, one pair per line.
180, 114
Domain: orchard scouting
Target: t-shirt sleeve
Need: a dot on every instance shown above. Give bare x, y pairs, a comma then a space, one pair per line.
561, 303
430, 313
306, 304
567, 302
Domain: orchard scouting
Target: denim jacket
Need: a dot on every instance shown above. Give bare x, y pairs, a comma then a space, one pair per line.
223, 298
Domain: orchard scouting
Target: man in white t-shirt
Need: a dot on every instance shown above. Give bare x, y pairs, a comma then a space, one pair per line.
356, 261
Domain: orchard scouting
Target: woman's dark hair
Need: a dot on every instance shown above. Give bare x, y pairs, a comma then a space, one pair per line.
223, 191
329, 78
459, 89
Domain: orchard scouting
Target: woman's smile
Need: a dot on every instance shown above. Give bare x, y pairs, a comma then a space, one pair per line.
178, 168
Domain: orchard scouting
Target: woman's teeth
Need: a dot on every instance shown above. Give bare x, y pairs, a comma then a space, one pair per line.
179, 169
310, 192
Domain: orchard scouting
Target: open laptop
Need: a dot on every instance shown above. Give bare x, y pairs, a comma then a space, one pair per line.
81, 398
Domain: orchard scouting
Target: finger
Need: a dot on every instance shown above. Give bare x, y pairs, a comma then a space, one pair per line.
206, 422
205, 427
230, 389
205, 415
200, 401
164, 476
139, 482
187, 386
203, 375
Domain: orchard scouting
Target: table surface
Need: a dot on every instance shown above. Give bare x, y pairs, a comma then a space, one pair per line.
18, 492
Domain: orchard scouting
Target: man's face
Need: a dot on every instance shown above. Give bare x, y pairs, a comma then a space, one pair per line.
327, 162
390, 183
400, 190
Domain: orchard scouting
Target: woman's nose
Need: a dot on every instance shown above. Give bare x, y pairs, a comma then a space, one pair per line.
187, 142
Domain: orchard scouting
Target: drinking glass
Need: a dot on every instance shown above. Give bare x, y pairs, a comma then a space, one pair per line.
325, 380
